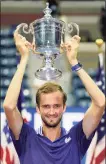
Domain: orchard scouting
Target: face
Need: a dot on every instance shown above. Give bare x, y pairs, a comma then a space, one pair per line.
51, 108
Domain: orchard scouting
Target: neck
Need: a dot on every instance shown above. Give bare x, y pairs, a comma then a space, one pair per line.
52, 133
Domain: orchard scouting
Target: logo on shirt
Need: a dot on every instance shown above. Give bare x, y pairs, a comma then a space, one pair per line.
67, 140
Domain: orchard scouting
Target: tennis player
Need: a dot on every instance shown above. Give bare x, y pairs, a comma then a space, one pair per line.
51, 144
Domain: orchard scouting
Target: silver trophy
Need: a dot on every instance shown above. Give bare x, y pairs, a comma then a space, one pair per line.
48, 34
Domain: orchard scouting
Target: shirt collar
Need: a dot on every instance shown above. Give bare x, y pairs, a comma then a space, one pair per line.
40, 132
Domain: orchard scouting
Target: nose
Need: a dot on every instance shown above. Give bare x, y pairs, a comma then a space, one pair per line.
52, 111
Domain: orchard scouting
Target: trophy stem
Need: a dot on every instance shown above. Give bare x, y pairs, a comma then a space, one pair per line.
48, 72
48, 61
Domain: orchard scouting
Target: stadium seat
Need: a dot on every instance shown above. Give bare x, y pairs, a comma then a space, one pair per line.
7, 42
83, 102
8, 73
8, 52
3, 93
7, 32
8, 62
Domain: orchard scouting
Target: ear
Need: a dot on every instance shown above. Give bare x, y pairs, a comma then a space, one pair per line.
37, 109
64, 108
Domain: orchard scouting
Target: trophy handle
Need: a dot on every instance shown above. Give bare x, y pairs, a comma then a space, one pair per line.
25, 29
28, 31
71, 26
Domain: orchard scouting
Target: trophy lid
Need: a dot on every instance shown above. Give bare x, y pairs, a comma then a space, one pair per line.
47, 11
48, 17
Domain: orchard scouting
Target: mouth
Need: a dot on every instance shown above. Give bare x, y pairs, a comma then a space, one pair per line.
51, 121
52, 117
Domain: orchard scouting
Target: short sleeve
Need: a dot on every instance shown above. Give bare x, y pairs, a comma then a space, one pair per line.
82, 142
20, 144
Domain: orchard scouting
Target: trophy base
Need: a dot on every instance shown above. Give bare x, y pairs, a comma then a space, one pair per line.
48, 74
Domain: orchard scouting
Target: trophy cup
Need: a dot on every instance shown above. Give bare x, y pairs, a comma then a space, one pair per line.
48, 34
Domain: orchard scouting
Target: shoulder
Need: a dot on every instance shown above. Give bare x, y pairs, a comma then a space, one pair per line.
76, 127
76, 130
27, 127
26, 131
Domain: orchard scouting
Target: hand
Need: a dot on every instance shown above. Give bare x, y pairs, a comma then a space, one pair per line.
72, 49
23, 46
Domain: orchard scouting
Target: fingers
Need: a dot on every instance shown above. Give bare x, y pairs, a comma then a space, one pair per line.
19, 39
74, 42
68, 46
76, 37
64, 46
27, 43
15, 33
33, 46
17, 36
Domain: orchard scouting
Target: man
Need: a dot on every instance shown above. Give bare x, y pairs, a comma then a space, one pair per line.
52, 144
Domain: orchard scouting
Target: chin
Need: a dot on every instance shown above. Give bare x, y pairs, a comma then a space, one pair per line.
51, 124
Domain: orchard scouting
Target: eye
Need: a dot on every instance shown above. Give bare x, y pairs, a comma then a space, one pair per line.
57, 106
46, 106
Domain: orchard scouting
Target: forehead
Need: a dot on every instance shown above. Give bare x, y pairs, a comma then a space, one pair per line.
50, 98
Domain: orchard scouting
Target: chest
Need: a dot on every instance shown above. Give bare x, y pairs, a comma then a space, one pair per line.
42, 151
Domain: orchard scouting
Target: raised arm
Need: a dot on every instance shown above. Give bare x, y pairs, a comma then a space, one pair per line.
95, 111
13, 115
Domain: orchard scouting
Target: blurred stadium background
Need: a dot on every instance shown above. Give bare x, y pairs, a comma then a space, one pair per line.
91, 18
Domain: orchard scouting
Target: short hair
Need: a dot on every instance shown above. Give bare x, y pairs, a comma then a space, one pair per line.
50, 87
